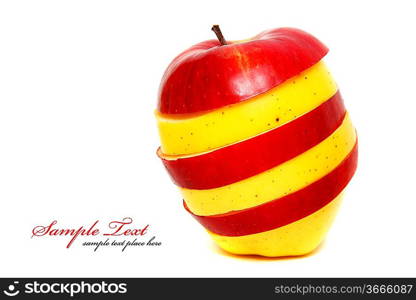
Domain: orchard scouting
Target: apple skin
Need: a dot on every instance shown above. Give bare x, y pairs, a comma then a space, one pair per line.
239, 161
284, 210
210, 75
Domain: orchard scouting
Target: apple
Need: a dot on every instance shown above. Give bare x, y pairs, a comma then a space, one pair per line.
233, 115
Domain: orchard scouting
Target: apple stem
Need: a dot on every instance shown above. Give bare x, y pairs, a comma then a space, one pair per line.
218, 33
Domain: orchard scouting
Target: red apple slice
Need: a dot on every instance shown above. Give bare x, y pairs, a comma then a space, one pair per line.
285, 210
209, 76
258, 154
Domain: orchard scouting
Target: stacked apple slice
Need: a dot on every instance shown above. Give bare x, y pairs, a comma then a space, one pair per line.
257, 138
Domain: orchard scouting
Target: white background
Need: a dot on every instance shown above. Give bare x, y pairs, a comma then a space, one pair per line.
78, 86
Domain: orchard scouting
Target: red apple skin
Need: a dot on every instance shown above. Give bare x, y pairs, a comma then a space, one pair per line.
260, 153
284, 210
210, 75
